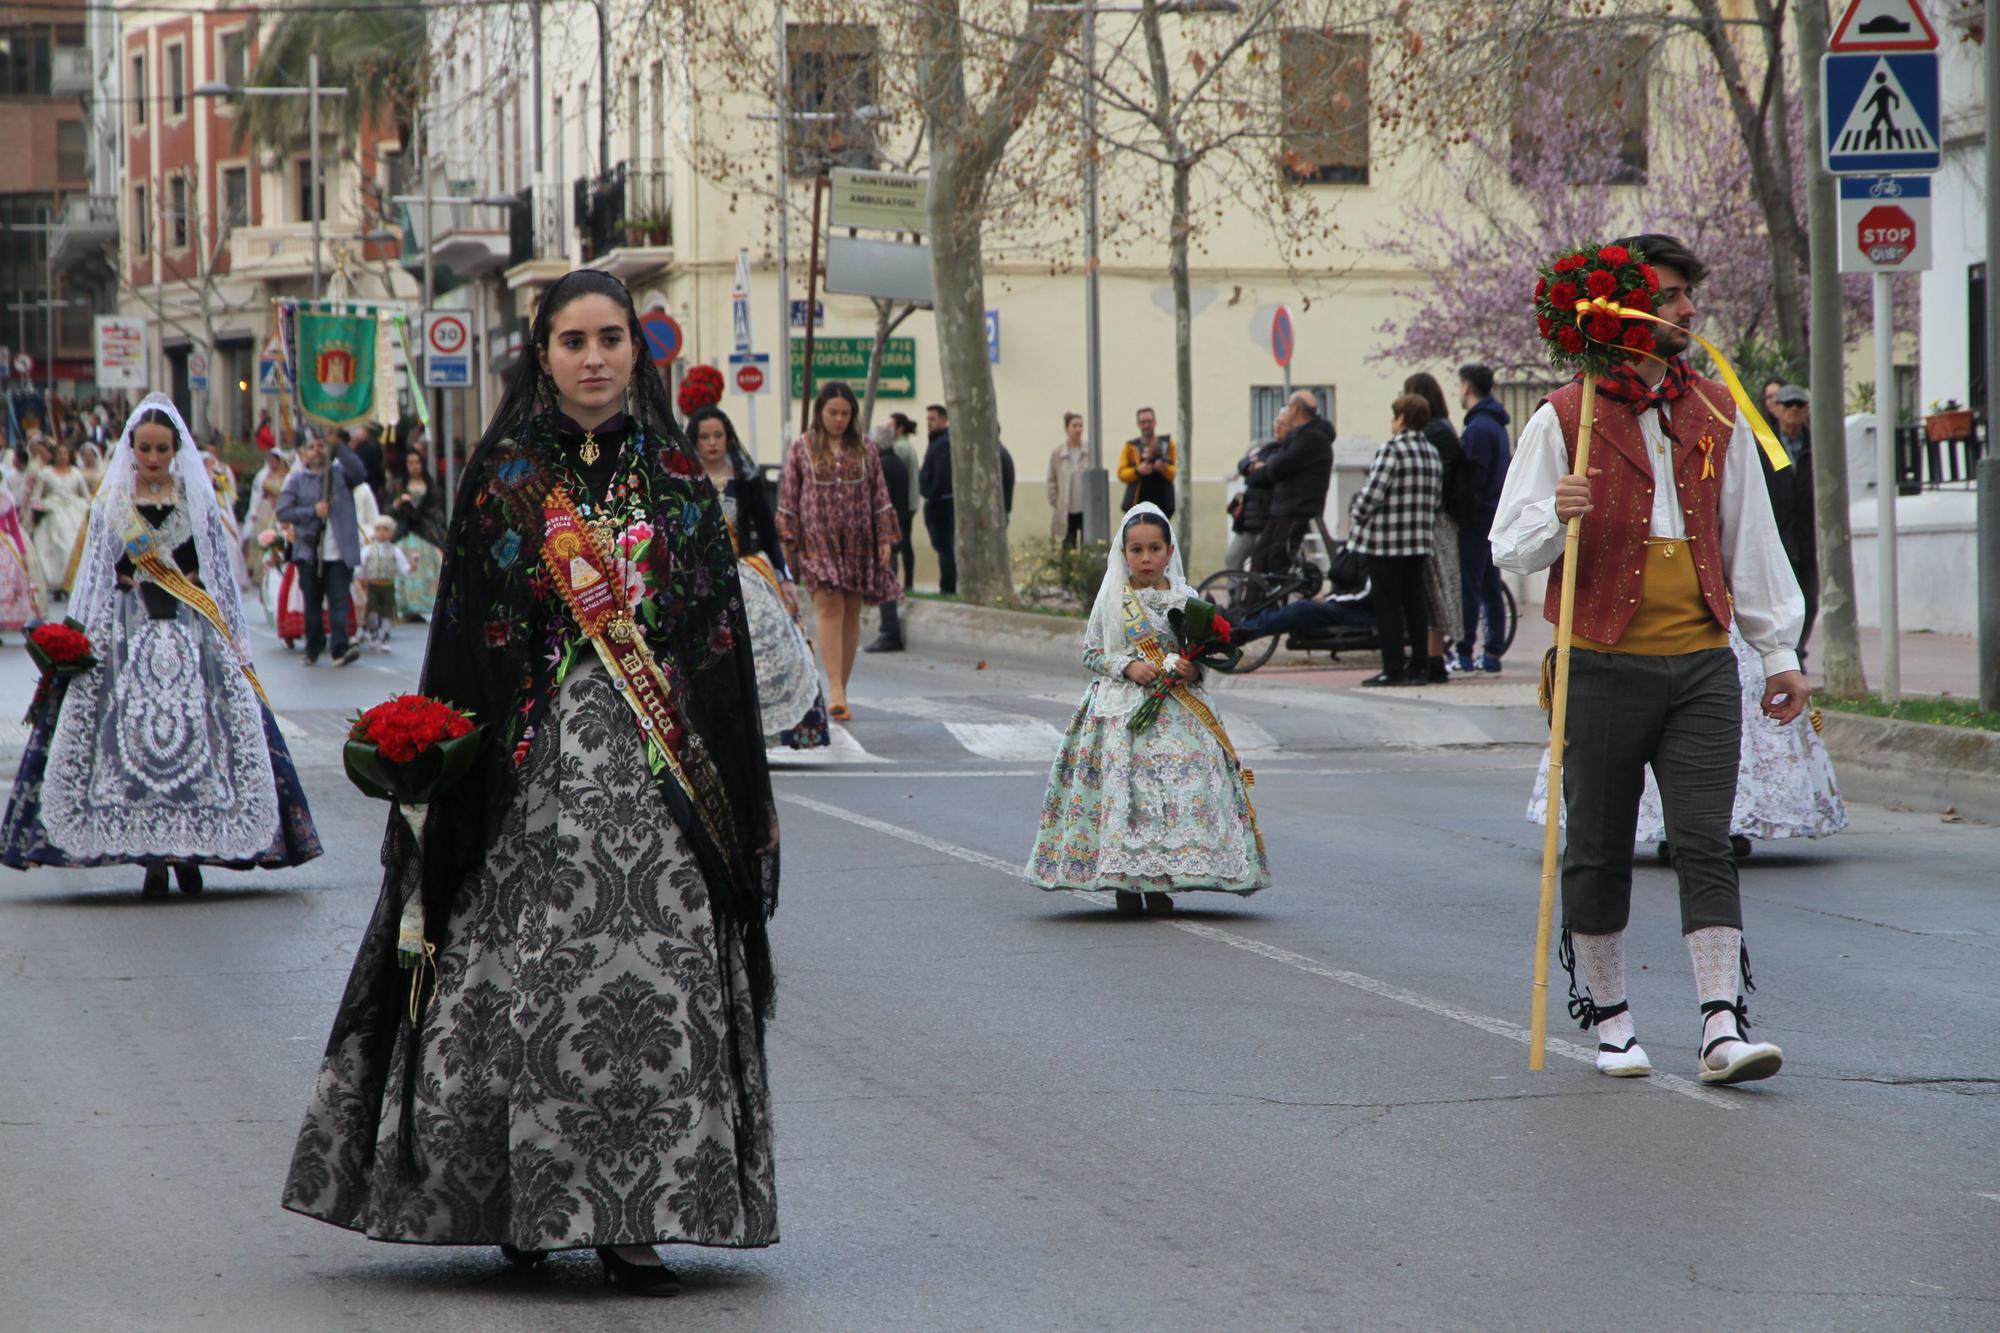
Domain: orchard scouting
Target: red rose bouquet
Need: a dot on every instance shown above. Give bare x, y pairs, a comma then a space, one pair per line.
701, 387
1205, 636
406, 751
1585, 302
60, 649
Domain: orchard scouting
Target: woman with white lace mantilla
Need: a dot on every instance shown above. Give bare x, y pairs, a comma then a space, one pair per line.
164, 753
584, 1069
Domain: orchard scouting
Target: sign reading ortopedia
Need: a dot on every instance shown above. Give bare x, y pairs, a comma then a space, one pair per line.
848, 358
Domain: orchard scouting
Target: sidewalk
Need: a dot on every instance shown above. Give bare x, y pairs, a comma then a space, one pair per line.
1931, 663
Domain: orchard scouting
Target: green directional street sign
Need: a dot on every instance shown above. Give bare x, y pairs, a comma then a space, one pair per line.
847, 359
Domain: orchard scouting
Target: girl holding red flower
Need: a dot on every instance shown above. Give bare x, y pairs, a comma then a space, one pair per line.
1159, 810
160, 752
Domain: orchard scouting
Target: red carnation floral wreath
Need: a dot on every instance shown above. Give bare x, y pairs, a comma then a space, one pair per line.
701, 387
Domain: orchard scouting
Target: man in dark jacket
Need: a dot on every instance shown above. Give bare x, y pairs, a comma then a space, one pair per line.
318, 501
897, 474
1486, 453
934, 481
1297, 477
1251, 509
1792, 499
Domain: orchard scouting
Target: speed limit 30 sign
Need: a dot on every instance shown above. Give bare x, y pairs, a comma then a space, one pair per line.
1885, 224
447, 349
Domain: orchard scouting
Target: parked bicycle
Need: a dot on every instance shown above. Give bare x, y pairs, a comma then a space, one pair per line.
1241, 595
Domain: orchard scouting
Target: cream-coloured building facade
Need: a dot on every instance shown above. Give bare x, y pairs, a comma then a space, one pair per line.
651, 135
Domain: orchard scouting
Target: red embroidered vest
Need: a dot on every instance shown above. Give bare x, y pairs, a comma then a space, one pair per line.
1611, 550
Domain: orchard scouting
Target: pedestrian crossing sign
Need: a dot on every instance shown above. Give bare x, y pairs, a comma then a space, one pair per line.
1881, 113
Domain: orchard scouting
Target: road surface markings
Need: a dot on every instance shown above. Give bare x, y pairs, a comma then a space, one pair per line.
1007, 740
1498, 1027
844, 750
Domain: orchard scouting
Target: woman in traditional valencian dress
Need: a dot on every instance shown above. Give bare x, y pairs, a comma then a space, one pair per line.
419, 513
788, 686
1785, 785
59, 501
1156, 812
837, 520
20, 600
164, 753
585, 1064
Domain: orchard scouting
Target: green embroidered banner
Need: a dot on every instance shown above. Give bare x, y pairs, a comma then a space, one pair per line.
336, 365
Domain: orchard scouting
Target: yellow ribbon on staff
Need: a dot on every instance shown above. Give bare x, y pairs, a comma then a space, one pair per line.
1780, 460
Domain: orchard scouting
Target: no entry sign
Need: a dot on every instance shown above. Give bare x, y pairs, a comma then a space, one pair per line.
1885, 224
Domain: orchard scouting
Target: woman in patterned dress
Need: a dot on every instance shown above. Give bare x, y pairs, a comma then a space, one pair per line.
163, 753
1152, 813
788, 687
419, 513
585, 1064
837, 520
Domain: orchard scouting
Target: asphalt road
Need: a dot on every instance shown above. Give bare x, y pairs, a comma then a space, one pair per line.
1000, 1109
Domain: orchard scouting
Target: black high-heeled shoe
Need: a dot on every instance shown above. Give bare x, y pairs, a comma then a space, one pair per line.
637, 1279
523, 1258
156, 882
188, 877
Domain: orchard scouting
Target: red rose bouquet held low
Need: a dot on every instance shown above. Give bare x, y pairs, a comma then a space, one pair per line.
407, 750
60, 650
1205, 636
1588, 304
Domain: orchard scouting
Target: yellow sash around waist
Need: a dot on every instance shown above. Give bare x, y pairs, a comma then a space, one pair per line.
139, 547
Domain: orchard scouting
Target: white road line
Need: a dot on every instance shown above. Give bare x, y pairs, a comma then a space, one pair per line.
1003, 741
844, 750
1497, 1027
901, 774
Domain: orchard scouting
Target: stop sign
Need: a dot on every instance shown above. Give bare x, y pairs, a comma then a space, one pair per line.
749, 379
1887, 234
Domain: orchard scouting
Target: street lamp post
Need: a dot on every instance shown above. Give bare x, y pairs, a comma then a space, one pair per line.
312, 92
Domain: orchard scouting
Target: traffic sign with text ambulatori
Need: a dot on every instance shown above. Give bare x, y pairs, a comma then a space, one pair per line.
1882, 113
1885, 224
848, 359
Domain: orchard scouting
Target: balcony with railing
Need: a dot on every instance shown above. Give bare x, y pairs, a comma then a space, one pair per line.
537, 250
625, 218
1941, 453
85, 230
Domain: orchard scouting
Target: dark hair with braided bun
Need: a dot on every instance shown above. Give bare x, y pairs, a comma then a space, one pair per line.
530, 393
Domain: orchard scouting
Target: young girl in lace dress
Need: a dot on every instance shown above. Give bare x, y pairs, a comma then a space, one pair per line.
1165, 810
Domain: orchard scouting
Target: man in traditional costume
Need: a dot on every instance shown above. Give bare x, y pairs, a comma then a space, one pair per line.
1677, 538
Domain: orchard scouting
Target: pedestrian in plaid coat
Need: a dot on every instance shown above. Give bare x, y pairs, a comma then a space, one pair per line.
1391, 521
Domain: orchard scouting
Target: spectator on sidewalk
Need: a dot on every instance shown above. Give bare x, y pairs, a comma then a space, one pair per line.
318, 501
901, 478
1067, 464
1251, 509
940, 508
1147, 466
1792, 498
1297, 477
267, 439
1443, 596
1393, 521
1770, 399
1331, 610
1487, 453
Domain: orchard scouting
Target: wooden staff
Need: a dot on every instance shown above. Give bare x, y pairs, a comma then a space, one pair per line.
1538, 1017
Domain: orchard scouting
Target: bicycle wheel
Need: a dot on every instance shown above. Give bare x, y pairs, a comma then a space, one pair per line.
1513, 614
1240, 595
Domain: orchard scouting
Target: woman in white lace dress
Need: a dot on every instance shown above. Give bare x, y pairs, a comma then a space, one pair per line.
1156, 812
164, 752
1785, 785
58, 504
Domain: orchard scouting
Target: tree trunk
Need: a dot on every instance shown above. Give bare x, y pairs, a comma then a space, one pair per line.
958, 271
966, 146
1839, 633
1177, 269
882, 327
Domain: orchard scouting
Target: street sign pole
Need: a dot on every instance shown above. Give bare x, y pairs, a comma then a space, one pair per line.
1885, 489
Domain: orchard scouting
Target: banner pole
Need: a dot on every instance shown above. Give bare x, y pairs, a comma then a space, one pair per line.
1538, 1017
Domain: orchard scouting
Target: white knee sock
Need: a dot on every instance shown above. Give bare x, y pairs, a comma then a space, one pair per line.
1717, 952
1601, 960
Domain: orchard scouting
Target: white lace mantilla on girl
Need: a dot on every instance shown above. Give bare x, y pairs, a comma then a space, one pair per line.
1160, 810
